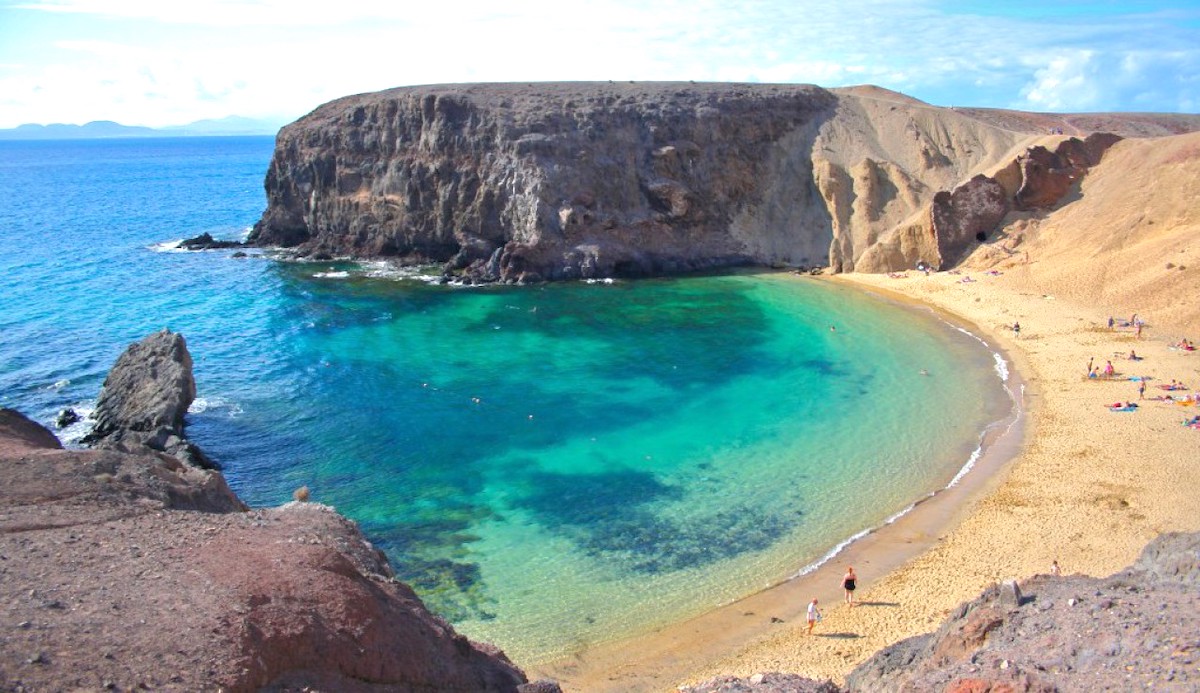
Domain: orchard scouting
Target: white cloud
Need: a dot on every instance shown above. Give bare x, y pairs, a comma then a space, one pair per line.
1088, 80
1065, 82
155, 62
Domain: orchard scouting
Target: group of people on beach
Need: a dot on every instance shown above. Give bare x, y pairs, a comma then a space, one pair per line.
1109, 372
1134, 322
849, 584
1094, 371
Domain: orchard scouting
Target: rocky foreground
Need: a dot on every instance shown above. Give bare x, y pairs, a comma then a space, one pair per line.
1136, 630
130, 566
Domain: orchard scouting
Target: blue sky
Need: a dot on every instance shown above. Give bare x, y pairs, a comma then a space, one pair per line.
161, 62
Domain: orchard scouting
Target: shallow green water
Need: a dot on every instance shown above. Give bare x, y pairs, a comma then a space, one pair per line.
553, 466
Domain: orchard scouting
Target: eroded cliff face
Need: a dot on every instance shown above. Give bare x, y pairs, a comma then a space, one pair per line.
524, 182
555, 181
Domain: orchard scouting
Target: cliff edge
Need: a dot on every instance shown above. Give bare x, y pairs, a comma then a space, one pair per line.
125, 567
550, 181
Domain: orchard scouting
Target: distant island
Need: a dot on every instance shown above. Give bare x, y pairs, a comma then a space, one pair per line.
107, 129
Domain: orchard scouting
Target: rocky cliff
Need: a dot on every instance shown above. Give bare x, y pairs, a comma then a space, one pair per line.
125, 568
522, 182
1135, 630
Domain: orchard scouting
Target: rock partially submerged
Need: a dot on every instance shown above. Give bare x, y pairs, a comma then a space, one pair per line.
205, 241
144, 399
124, 567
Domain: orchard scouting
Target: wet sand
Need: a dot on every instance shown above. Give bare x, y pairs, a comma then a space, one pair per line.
1068, 481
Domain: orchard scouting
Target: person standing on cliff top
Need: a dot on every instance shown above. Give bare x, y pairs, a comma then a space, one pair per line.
849, 582
814, 615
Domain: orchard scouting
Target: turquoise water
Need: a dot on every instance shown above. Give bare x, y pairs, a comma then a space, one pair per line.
548, 466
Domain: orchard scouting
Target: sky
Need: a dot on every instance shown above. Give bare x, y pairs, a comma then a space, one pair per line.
171, 62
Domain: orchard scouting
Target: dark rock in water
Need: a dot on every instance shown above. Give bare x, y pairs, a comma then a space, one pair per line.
205, 241
66, 417
144, 400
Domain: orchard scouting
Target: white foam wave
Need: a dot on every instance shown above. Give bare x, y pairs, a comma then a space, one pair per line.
605, 280
175, 246
332, 274
974, 457
1001, 366
59, 384
382, 269
71, 435
201, 405
967, 467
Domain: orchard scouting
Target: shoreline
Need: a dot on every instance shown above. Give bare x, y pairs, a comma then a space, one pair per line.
1081, 485
666, 656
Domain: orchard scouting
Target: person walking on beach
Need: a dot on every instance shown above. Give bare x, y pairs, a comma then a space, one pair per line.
849, 582
1016, 329
814, 615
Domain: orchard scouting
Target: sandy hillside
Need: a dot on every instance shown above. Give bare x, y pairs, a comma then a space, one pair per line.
1129, 240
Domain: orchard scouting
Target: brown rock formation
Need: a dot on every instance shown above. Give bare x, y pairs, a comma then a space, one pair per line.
552, 181
510, 182
144, 399
1046, 176
956, 221
125, 568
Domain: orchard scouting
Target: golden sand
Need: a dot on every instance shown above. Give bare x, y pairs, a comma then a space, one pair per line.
1075, 483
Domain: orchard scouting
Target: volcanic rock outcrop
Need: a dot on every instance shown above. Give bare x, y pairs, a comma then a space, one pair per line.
524, 182
144, 399
124, 568
1135, 630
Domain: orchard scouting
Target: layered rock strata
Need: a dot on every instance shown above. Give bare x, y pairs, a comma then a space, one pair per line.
126, 568
523, 182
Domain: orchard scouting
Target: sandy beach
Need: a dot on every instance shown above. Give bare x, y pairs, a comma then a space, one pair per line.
1071, 481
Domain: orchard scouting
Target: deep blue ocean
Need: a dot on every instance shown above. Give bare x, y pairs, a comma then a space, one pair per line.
549, 466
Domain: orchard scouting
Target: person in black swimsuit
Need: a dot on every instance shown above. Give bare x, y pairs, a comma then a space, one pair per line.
849, 582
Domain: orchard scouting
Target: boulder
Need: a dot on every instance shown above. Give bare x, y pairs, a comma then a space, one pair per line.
66, 417
144, 400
